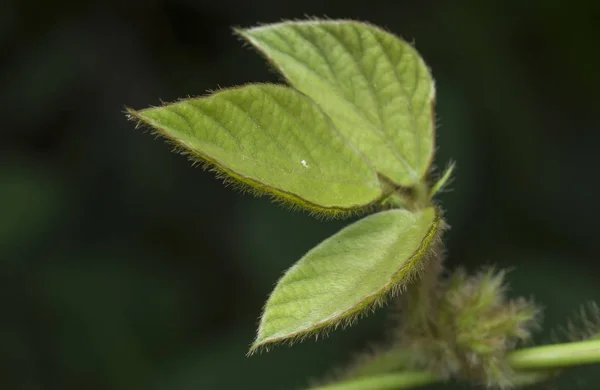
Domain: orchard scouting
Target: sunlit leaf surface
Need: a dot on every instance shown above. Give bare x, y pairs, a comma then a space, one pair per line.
273, 139
374, 86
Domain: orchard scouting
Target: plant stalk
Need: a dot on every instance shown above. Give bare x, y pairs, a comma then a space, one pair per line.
401, 380
532, 364
556, 356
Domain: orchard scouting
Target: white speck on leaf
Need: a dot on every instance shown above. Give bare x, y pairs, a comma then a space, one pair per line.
304, 163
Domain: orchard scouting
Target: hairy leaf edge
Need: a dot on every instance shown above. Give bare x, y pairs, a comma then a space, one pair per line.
405, 275
248, 185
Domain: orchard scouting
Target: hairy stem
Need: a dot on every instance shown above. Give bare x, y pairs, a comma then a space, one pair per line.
421, 297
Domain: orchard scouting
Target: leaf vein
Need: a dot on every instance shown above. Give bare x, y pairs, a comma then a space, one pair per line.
382, 129
408, 97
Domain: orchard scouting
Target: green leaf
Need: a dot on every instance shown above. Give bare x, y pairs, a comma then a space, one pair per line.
374, 86
348, 273
273, 139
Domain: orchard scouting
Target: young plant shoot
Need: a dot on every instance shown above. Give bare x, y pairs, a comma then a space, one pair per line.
353, 132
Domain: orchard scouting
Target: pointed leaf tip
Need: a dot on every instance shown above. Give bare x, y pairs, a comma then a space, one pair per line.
443, 181
273, 139
348, 274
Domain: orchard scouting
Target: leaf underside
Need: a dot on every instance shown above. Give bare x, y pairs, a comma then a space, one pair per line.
373, 85
348, 273
273, 139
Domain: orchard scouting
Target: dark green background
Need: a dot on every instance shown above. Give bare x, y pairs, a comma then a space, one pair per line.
122, 267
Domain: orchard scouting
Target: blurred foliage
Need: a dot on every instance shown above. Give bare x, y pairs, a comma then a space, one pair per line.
122, 267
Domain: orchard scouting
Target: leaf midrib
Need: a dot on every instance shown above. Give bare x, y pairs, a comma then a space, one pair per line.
369, 299
412, 172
